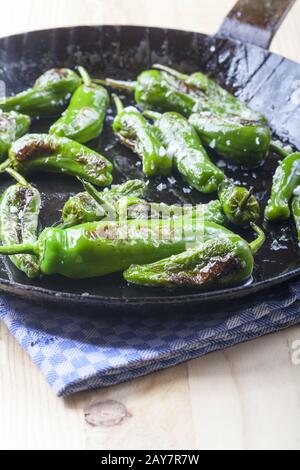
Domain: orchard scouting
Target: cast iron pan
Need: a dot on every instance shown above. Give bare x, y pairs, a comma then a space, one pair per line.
265, 80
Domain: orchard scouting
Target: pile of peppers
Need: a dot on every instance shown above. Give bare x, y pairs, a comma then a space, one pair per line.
107, 228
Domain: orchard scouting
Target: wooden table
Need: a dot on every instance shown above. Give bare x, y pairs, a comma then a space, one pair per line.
242, 398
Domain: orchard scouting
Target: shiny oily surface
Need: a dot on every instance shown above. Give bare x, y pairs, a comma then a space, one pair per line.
123, 52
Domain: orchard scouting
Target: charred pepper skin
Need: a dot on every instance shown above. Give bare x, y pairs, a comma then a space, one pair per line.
48, 97
100, 248
83, 207
213, 98
135, 132
12, 126
19, 212
185, 149
46, 153
285, 180
84, 118
216, 263
245, 142
239, 205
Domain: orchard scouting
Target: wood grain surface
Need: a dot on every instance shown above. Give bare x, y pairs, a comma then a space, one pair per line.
247, 397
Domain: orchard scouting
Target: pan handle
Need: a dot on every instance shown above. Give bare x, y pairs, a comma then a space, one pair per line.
255, 21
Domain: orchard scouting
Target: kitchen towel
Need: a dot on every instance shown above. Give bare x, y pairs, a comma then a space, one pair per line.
82, 351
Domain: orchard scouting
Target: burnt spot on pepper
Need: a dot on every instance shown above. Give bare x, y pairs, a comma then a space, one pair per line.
216, 268
92, 159
33, 149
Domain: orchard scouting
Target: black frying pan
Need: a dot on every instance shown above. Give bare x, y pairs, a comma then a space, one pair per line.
234, 59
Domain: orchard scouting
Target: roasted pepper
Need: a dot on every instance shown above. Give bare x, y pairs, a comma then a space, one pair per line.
213, 98
136, 133
238, 203
217, 263
186, 151
48, 97
153, 90
285, 180
100, 248
19, 212
296, 211
12, 126
84, 118
85, 207
245, 142
48, 153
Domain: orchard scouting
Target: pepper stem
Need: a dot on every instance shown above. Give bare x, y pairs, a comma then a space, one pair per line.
92, 191
30, 249
19, 178
152, 114
118, 104
118, 84
5, 165
277, 147
259, 241
180, 76
85, 76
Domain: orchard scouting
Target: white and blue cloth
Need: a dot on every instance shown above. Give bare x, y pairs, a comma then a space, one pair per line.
82, 351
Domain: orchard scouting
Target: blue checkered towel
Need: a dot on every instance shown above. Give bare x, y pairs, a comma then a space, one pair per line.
78, 351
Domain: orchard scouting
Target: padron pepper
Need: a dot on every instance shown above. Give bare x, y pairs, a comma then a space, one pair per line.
154, 90
213, 98
245, 142
19, 212
285, 180
296, 211
84, 118
47, 153
238, 203
48, 97
135, 132
216, 263
186, 151
12, 126
100, 248
92, 205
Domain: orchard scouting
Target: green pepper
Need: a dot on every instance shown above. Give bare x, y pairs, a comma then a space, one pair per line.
213, 98
238, 203
100, 248
19, 211
12, 126
48, 153
154, 90
216, 263
245, 142
136, 133
185, 149
84, 207
285, 180
48, 97
296, 211
84, 118
135, 208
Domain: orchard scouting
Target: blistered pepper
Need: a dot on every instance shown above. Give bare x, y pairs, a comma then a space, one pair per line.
296, 211
19, 214
216, 263
285, 180
48, 97
84, 118
12, 126
213, 98
186, 151
135, 132
100, 248
245, 142
47, 153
